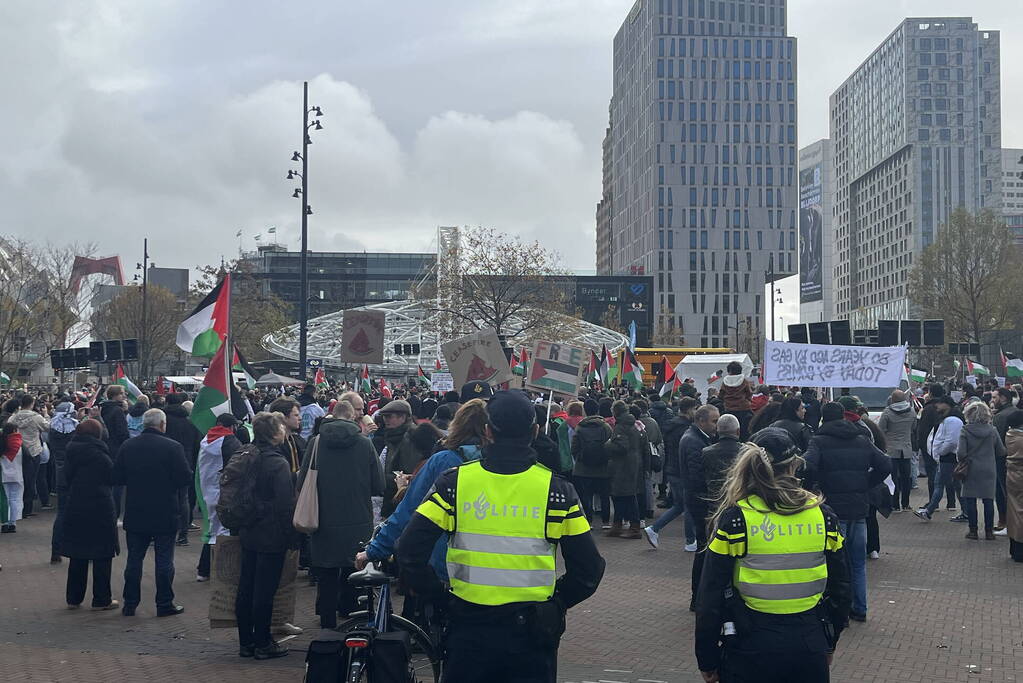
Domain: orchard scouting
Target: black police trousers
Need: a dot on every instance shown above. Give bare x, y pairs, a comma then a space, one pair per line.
497, 653
781, 667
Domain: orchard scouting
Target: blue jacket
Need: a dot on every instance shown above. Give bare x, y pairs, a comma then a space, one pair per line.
386, 538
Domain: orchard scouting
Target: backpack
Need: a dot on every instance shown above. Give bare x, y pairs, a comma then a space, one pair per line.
591, 446
238, 505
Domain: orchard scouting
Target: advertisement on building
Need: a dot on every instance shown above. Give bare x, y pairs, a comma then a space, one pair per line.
811, 238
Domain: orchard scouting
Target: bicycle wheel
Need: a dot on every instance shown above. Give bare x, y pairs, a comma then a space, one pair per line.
425, 657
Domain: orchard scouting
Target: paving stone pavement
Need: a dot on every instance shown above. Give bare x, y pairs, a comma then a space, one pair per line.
941, 609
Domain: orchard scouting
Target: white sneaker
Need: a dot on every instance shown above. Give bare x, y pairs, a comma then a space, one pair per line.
651, 536
1002, 532
605, 527
287, 629
201, 579
874, 555
690, 547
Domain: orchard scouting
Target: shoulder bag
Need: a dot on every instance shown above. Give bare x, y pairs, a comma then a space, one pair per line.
307, 507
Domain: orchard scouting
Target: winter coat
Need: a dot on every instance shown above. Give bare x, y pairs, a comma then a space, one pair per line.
736, 393
625, 462
402, 456
1001, 419
660, 411
90, 520
813, 413
348, 476
58, 443
943, 441
591, 429
273, 531
181, 429
690, 452
758, 401
116, 422
925, 425
564, 436
547, 453
32, 425
1014, 484
11, 459
672, 433
843, 465
897, 423
310, 411
980, 444
152, 468
134, 419
718, 459
799, 431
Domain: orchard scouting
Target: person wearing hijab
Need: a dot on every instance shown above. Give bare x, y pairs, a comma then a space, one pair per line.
62, 428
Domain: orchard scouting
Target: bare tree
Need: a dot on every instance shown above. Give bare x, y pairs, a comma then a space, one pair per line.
503, 283
254, 313
26, 332
121, 318
68, 302
666, 332
969, 276
611, 319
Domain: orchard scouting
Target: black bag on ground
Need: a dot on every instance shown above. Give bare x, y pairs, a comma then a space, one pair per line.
238, 505
325, 660
392, 657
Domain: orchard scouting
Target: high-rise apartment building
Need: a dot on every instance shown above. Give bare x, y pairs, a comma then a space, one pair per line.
1012, 192
604, 209
703, 160
916, 133
816, 234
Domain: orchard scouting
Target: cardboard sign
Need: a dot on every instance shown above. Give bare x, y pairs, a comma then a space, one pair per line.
442, 381
556, 367
818, 365
226, 564
362, 337
477, 357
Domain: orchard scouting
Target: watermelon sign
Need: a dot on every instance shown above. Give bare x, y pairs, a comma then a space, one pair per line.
477, 357
362, 337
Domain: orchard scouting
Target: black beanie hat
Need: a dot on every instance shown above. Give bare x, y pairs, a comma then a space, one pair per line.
832, 411
511, 414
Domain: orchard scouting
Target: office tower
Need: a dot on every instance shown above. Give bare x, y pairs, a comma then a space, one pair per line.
1012, 192
604, 209
703, 157
816, 236
916, 133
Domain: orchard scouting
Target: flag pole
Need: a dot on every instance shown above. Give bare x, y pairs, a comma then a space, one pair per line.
547, 424
228, 347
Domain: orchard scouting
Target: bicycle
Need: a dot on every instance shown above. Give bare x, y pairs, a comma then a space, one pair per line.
362, 628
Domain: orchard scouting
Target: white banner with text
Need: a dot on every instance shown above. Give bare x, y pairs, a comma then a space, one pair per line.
818, 365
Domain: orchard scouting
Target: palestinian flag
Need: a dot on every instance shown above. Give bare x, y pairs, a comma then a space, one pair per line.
422, 378
365, 383
520, 362
558, 377
203, 332
917, 375
241, 365
214, 398
5, 378
593, 369
976, 368
608, 367
671, 380
132, 391
632, 371
320, 379
1013, 365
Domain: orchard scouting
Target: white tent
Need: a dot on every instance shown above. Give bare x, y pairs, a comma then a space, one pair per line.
702, 368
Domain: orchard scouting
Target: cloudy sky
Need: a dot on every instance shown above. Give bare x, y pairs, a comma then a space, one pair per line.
176, 119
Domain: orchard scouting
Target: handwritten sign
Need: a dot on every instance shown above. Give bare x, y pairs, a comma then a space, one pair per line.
227, 562
556, 367
817, 365
477, 357
442, 381
362, 336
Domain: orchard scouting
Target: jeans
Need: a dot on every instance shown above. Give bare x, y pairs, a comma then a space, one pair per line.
1000, 499
939, 483
873, 532
587, 487
29, 472
163, 560
78, 578
253, 608
970, 505
677, 508
13, 491
334, 594
903, 477
931, 469
854, 531
699, 515
626, 510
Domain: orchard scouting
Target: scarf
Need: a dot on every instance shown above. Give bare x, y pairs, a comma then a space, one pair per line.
63, 420
12, 446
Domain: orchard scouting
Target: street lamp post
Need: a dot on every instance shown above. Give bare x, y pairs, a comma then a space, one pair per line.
303, 194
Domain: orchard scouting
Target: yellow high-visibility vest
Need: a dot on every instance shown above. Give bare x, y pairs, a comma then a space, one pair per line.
498, 552
784, 570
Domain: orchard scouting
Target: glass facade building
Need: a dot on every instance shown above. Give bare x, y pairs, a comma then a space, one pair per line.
703, 159
916, 133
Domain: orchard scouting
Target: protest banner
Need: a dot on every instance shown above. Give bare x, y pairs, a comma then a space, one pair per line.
477, 357
362, 337
226, 563
556, 367
818, 365
442, 381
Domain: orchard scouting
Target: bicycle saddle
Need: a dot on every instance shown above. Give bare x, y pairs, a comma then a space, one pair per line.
369, 576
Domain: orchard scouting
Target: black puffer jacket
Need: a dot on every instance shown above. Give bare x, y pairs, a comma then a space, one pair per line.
273, 531
660, 411
718, 458
672, 433
181, 429
799, 431
843, 465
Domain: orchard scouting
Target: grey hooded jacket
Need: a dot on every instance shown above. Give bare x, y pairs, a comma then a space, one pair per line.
897, 423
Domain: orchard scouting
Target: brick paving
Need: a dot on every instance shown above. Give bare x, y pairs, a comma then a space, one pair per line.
941, 609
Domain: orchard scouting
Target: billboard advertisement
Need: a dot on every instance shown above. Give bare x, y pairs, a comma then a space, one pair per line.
811, 238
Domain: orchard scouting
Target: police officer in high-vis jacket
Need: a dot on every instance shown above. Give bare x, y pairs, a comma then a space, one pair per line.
775, 592
504, 515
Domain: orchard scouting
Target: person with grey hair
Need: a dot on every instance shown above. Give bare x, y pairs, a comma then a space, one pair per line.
719, 457
898, 424
152, 469
979, 445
